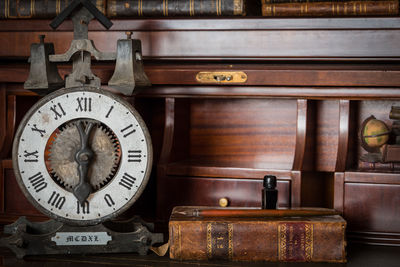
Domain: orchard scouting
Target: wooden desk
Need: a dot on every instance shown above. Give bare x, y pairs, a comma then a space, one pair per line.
358, 256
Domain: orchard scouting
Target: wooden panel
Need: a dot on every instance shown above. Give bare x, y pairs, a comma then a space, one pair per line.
287, 44
208, 191
372, 177
3, 115
372, 207
327, 132
257, 133
301, 133
343, 135
5, 149
273, 74
15, 201
338, 198
243, 23
195, 168
265, 91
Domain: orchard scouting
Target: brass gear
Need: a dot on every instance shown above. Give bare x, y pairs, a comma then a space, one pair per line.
61, 160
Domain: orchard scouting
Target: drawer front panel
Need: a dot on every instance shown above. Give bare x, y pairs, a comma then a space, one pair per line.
372, 207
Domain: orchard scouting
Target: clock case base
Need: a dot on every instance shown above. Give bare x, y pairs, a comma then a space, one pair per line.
35, 238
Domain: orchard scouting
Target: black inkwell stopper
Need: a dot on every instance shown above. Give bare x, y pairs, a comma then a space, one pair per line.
269, 192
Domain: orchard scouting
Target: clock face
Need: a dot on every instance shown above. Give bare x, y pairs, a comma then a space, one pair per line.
49, 169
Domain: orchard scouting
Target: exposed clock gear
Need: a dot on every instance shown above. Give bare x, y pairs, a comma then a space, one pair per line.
63, 146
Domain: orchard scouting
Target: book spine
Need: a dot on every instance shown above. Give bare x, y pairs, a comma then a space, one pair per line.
329, 9
167, 8
300, 1
289, 241
39, 9
378, 166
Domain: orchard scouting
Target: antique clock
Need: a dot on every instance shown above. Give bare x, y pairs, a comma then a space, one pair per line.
82, 155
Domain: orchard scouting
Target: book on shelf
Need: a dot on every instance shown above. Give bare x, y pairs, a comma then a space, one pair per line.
39, 9
195, 233
378, 166
323, 8
45, 9
170, 8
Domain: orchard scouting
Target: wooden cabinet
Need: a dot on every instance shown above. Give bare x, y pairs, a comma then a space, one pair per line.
309, 84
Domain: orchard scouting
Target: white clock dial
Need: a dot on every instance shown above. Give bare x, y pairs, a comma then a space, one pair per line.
46, 144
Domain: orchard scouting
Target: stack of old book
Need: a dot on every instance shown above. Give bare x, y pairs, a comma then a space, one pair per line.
28, 9
243, 234
329, 8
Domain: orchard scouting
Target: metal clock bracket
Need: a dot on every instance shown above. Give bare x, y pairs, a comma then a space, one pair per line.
53, 237
44, 77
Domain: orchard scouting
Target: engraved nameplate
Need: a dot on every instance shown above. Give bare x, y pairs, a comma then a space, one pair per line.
81, 238
221, 77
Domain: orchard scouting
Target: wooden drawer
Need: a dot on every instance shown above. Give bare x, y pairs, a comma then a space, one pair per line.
199, 191
372, 207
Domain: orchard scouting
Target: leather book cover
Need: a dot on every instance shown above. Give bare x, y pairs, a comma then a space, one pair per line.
378, 166
302, 1
170, 8
331, 9
38, 9
276, 239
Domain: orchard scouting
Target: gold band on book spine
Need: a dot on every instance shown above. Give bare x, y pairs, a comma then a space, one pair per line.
140, 8
309, 242
218, 7
191, 8
230, 241
58, 7
238, 7
101, 5
165, 8
282, 242
209, 241
112, 8
32, 8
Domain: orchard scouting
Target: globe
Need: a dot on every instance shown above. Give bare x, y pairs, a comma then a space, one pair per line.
374, 134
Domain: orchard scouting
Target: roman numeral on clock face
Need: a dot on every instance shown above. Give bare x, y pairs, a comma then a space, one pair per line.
109, 111
56, 200
110, 202
31, 156
84, 209
58, 111
36, 129
84, 104
134, 155
128, 130
37, 182
127, 181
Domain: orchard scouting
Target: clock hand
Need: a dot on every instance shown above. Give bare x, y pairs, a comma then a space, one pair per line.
83, 157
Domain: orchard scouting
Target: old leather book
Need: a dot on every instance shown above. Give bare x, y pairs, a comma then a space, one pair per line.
45, 9
163, 8
378, 166
306, 238
331, 9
